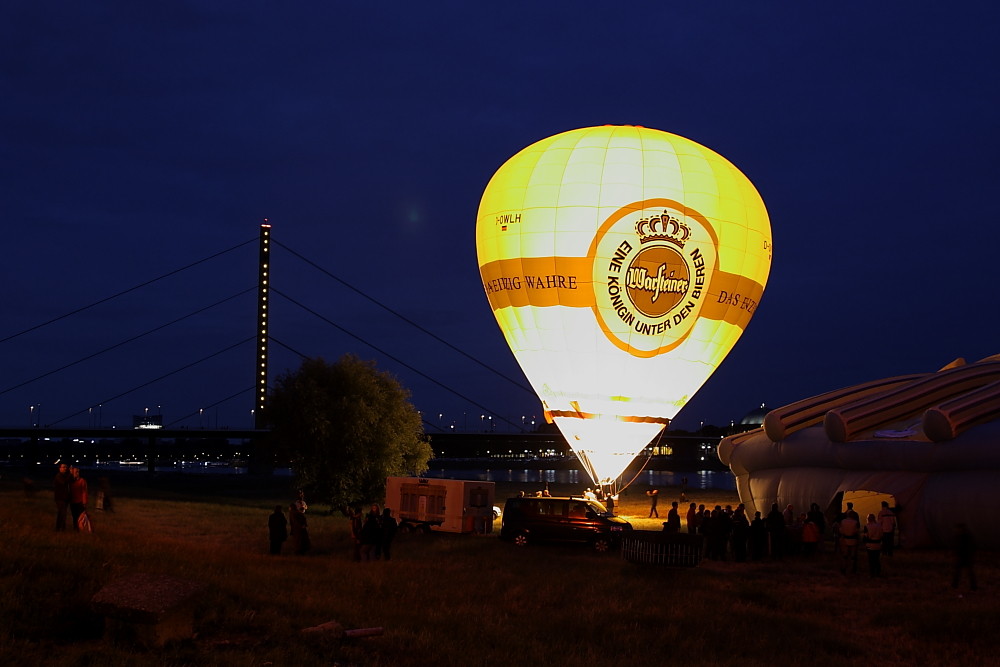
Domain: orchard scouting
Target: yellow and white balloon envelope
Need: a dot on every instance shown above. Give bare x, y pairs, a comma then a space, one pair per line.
622, 264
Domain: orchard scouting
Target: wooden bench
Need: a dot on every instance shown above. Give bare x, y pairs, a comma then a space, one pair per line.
148, 609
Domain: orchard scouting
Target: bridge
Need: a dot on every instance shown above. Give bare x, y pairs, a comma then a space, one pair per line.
261, 339
43, 443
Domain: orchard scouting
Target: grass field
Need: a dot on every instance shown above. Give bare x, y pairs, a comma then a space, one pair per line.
460, 600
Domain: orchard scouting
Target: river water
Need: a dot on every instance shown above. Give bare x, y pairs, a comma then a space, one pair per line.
718, 480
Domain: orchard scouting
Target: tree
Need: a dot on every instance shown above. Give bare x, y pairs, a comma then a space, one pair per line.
345, 427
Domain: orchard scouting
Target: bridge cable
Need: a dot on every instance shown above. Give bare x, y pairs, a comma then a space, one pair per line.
287, 347
123, 292
304, 356
212, 405
408, 321
396, 359
155, 380
125, 342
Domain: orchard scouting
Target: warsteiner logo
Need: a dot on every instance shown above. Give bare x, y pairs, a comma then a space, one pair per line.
658, 277
652, 263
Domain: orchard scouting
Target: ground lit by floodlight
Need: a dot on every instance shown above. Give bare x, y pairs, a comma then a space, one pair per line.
606, 447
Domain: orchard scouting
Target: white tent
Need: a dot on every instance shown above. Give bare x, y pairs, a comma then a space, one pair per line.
929, 442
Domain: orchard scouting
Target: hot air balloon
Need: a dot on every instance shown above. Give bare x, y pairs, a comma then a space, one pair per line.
622, 264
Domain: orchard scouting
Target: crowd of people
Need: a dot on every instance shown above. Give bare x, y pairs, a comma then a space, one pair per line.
784, 532
372, 534
728, 531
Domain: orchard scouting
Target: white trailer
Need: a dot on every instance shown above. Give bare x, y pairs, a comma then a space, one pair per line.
448, 505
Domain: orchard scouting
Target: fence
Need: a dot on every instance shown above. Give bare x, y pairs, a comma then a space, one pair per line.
656, 548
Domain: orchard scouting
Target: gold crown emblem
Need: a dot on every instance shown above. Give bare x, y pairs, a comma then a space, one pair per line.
663, 228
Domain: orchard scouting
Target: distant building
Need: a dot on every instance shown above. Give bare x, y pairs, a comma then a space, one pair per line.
147, 421
753, 419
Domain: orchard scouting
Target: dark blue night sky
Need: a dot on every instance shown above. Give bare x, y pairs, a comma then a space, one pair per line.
138, 139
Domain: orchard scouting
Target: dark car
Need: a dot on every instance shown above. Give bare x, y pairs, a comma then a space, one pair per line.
552, 519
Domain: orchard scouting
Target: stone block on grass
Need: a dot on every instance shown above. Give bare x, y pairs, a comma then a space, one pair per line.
148, 610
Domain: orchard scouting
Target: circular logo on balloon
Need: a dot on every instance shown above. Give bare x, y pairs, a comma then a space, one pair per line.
652, 263
657, 279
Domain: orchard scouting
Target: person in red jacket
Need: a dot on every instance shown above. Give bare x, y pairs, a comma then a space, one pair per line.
77, 496
810, 536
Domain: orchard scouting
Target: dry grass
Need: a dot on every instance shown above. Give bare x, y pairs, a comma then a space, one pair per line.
462, 600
